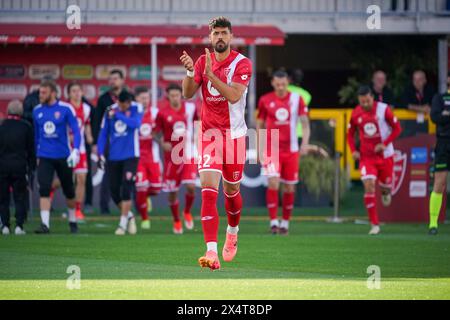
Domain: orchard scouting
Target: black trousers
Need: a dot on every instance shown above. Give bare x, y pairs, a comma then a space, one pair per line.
18, 184
46, 170
122, 177
89, 188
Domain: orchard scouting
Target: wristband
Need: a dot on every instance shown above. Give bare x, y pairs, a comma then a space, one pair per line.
190, 74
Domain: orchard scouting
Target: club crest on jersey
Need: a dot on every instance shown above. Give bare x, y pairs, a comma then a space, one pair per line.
120, 127
282, 114
57, 115
226, 71
145, 130
370, 129
212, 91
236, 175
400, 162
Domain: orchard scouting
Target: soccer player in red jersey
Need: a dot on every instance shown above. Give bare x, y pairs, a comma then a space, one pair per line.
82, 111
148, 175
223, 76
281, 110
377, 128
176, 122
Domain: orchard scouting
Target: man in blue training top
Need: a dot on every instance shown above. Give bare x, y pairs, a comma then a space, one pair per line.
51, 120
120, 126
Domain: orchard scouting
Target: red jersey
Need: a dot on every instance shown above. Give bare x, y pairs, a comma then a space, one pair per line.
177, 125
82, 113
148, 148
378, 125
282, 114
217, 112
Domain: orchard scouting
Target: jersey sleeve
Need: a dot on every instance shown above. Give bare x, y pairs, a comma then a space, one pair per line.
302, 108
159, 122
262, 111
392, 120
73, 123
243, 72
198, 70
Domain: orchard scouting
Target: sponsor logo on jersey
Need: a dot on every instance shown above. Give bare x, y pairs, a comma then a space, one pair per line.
212, 91
120, 127
282, 114
370, 129
145, 130
49, 128
179, 128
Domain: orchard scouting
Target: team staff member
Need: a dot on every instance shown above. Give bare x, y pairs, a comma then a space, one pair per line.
51, 121
120, 127
16, 160
440, 115
117, 84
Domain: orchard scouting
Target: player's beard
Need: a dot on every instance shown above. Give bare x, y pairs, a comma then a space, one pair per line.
221, 46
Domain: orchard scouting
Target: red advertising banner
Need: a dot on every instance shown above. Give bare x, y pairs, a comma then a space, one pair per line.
412, 181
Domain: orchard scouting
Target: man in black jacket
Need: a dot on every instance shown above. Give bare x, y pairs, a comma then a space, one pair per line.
116, 83
440, 115
17, 160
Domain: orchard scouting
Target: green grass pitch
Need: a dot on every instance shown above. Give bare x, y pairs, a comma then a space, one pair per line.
317, 260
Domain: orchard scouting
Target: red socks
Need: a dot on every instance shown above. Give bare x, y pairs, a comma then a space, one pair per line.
210, 215
272, 203
370, 203
288, 205
141, 202
174, 208
78, 206
189, 200
233, 207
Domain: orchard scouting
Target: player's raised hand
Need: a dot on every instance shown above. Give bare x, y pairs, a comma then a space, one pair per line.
187, 61
208, 63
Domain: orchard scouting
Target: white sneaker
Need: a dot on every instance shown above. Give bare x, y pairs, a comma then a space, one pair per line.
132, 228
120, 232
5, 231
386, 199
19, 231
189, 224
374, 230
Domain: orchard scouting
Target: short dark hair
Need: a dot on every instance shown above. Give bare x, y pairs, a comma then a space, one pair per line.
219, 22
125, 96
173, 86
140, 89
364, 91
49, 84
71, 85
117, 71
280, 74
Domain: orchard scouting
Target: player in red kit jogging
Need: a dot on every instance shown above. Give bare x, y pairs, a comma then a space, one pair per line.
281, 110
223, 76
82, 113
148, 175
176, 122
377, 128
